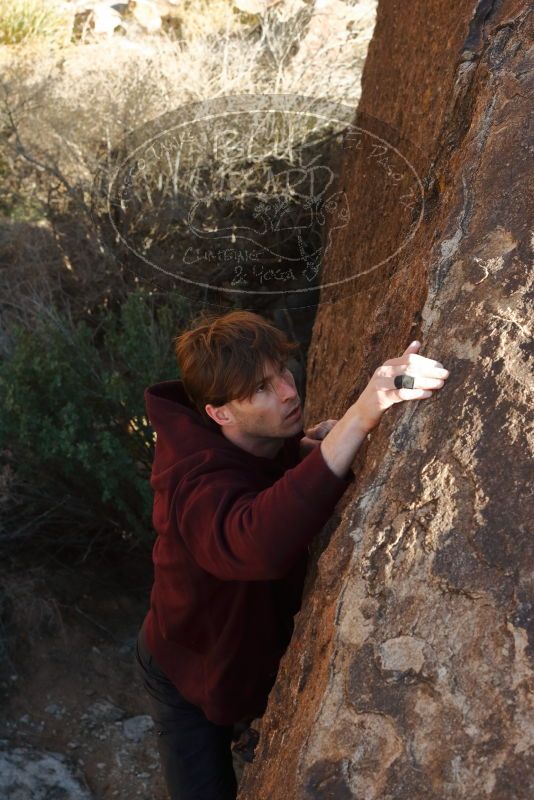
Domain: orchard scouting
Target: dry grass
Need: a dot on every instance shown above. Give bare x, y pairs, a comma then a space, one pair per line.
69, 110
28, 21
62, 113
209, 18
99, 90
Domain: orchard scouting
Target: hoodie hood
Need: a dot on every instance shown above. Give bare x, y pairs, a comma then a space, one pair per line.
182, 432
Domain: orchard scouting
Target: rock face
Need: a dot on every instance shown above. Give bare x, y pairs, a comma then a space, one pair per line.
409, 669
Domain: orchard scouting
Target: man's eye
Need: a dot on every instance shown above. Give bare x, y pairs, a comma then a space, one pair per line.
282, 368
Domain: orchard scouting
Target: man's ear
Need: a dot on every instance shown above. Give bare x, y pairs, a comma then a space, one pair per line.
221, 414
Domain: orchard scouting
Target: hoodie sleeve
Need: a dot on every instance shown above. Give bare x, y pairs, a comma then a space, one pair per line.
236, 532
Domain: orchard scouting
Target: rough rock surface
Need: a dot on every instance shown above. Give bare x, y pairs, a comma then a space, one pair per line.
27, 773
409, 672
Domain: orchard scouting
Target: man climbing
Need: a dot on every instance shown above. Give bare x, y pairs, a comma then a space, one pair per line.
240, 491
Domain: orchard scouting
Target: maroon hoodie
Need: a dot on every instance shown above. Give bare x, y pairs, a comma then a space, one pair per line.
233, 531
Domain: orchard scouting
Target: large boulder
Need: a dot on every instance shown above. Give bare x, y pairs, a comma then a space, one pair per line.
408, 673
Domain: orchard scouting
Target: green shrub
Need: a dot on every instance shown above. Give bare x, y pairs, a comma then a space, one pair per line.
23, 21
73, 429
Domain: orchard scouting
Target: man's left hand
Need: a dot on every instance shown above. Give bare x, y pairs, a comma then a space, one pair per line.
313, 436
320, 430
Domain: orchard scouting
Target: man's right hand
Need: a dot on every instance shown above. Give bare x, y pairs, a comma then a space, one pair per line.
380, 393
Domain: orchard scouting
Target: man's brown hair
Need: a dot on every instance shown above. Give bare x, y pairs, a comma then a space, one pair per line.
222, 358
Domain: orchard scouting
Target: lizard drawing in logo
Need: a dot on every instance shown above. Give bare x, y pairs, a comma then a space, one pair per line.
298, 206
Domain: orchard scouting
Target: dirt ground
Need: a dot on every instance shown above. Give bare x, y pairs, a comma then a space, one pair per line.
67, 679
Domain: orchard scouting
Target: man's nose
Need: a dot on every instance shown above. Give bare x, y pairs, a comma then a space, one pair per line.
286, 389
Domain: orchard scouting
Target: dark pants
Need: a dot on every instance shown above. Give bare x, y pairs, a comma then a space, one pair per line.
195, 753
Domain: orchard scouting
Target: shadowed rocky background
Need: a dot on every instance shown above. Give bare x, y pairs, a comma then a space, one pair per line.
409, 671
